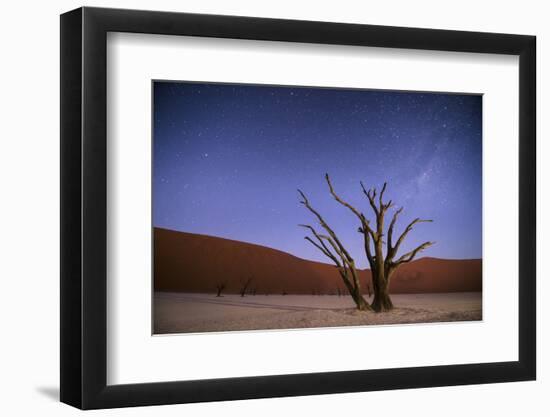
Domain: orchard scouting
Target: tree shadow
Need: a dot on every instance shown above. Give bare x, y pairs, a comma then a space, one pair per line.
252, 304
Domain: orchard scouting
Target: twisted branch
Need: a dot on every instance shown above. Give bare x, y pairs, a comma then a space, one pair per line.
410, 255
364, 222
371, 195
389, 252
406, 232
325, 226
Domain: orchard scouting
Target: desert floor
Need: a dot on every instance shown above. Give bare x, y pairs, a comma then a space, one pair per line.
186, 312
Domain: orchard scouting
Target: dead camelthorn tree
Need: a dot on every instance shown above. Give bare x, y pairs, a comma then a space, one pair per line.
220, 286
331, 246
244, 286
383, 261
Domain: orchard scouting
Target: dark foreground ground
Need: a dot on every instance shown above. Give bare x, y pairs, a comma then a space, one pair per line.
186, 312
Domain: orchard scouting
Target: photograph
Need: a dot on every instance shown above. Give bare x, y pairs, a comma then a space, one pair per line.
243, 195
293, 207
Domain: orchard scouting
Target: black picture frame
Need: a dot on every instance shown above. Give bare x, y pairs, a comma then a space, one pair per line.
84, 207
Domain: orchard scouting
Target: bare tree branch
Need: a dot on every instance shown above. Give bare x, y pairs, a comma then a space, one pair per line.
346, 263
344, 203
342, 266
371, 195
406, 231
328, 254
381, 195
325, 226
368, 251
361, 216
389, 253
410, 255
323, 249
379, 210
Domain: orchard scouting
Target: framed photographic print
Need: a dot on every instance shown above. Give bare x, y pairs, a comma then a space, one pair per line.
295, 192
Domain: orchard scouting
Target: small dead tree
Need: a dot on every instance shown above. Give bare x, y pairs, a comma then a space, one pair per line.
220, 286
244, 286
368, 290
382, 265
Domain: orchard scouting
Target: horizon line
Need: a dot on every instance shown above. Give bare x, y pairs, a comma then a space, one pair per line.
298, 257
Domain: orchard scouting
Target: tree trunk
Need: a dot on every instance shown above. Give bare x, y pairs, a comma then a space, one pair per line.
361, 303
382, 301
356, 295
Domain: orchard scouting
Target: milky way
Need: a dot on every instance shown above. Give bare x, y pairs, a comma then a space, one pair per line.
229, 158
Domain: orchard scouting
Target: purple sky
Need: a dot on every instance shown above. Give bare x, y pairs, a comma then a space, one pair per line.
228, 159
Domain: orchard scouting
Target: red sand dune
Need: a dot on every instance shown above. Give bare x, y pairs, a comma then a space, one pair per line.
189, 262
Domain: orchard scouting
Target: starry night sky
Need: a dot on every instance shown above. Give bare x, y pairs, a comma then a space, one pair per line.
228, 159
